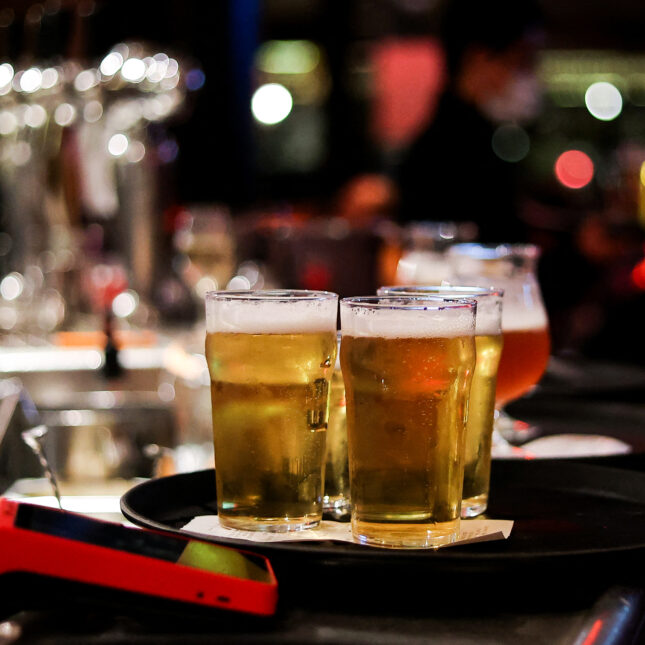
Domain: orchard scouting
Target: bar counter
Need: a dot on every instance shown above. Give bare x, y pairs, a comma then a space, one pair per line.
593, 599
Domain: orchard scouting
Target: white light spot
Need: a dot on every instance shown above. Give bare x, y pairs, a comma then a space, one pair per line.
239, 282
8, 122
172, 68
166, 392
111, 64
93, 111
31, 79
125, 303
133, 70
49, 79
85, 80
8, 317
205, 284
271, 103
6, 74
604, 101
65, 114
156, 71
12, 286
35, 115
136, 152
118, 144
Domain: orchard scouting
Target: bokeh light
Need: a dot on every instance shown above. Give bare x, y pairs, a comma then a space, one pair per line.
125, 303
574, 169
35, 116
6, 74
271, 103
118, 144
12, 286
604, 101
65, 114
511, 142
195, 79
638, 275
134, 70
111, 64
30, 80
167, 151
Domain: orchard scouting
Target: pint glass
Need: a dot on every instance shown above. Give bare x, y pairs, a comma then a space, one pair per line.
336, 501
481, 406
270, 355
407, 363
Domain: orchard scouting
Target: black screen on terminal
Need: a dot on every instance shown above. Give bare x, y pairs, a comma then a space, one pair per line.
185, 551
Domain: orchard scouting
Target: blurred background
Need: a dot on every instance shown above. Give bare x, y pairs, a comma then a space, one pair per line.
151, 151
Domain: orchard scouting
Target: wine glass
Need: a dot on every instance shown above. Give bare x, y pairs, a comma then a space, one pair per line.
525, 328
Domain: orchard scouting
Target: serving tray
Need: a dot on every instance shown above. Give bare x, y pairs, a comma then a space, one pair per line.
579, 524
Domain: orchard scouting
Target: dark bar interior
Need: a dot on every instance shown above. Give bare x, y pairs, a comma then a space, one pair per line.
154, 152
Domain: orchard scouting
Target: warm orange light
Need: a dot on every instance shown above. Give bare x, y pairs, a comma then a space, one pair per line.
574, 169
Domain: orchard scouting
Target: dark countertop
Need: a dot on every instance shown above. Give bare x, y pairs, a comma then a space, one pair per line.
413, 607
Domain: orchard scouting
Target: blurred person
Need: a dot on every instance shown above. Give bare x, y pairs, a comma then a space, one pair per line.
367, 202
451, 172
366, 199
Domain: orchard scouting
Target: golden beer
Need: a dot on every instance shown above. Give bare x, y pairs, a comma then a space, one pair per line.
270, 398
481, 406
479, 428
406, 411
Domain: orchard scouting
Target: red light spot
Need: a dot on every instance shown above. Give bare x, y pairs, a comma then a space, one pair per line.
638, 275
574, 169
593, 632
316, 276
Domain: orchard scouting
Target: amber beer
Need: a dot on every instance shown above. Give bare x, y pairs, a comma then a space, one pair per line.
407, 364
270, 356
481, 406
524, 360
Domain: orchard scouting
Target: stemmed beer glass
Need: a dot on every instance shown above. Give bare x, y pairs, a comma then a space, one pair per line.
525, 329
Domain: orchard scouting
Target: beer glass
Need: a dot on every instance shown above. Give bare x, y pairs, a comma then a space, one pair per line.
525, 329
336, 500
270, 355
407, 363
481, 405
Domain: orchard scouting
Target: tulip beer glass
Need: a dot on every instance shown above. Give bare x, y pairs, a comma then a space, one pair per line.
481, 405
407, 363
511, 267
270, 355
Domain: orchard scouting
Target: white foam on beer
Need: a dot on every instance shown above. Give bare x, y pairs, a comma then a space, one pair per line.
406, 323
517, 318
271, 317
488, 319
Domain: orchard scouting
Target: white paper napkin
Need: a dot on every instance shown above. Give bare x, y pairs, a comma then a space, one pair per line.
476, 530
564, 445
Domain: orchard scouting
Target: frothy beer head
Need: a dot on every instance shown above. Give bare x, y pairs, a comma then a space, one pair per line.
271, 312
488, 299
519, 319
407, 317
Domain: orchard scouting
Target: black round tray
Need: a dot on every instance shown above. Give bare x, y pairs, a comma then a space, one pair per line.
577, 524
